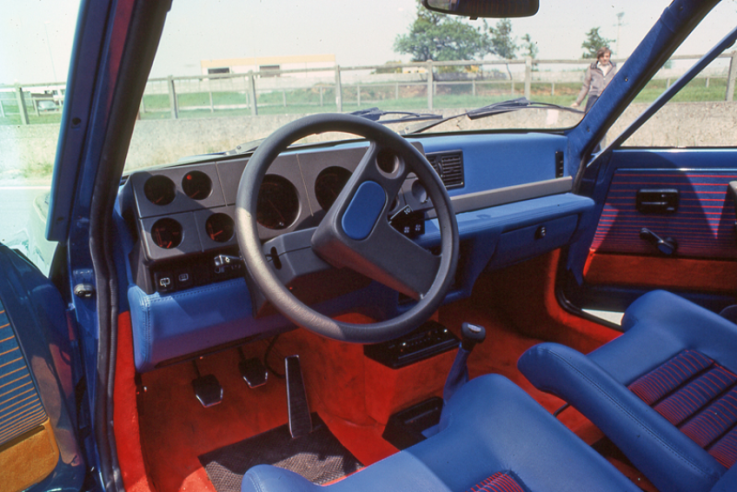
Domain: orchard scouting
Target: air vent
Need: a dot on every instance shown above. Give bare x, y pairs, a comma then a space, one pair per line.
449, 165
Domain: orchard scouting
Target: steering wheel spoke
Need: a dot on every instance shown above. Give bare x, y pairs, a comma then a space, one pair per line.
397, 262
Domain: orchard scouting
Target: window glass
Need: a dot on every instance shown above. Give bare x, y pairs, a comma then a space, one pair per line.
701, 114
35, 49
278, 61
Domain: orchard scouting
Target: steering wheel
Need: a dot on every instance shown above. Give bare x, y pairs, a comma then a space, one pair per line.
355, 233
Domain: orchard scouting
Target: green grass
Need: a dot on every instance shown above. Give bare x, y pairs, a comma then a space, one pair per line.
37, 170
410, 98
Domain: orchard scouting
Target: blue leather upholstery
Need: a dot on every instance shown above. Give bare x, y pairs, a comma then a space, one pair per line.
658, 327
489, 426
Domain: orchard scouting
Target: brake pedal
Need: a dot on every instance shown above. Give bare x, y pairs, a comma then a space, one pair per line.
253, 371
207, 388
300, 420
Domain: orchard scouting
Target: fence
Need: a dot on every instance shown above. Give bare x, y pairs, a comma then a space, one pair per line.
417, 85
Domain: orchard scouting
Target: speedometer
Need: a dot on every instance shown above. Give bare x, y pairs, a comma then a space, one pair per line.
329, 184
278, 204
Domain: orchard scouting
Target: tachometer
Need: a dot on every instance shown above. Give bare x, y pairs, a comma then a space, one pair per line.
166, 233
278, 204
329, 184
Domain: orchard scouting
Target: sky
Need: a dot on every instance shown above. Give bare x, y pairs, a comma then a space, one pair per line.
36, 36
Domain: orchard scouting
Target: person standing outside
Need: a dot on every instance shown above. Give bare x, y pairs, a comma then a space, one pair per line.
598, 76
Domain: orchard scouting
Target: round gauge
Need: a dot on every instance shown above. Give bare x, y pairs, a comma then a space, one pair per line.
329, 184
166, 233
219, 228
159, 190
388, 161
197, 185
278, 205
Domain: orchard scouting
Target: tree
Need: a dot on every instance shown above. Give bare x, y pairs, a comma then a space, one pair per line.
593, 42
503, 44
530, 48
439, 37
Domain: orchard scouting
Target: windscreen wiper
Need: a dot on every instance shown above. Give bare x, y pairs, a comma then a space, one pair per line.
245, 148
375, 114
494, 109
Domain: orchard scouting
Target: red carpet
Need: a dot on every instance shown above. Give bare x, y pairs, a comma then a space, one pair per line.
352, 394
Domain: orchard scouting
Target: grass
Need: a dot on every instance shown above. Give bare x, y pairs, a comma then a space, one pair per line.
37, 170
407, 97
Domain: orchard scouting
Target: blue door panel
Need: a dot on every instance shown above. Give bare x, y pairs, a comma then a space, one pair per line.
703, 225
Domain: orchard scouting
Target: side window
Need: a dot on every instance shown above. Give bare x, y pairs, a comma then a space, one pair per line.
701, 114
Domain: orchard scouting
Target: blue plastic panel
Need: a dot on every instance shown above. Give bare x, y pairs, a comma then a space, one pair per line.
534, 240
360, 216
496, 161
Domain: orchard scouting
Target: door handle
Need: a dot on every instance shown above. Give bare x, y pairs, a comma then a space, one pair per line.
667, 246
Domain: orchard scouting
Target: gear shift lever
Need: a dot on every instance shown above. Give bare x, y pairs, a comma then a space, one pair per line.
458, 376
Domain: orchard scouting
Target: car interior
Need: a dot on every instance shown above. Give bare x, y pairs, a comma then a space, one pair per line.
389, 312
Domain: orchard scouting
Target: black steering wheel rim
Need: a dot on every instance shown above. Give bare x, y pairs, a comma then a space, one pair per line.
261, 272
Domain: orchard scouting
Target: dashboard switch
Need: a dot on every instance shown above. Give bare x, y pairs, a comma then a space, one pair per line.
184, 280
164, 282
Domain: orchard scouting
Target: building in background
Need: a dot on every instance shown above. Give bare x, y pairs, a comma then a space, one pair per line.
265, 64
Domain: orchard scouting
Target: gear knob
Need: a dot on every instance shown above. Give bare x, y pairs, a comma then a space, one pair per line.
472, 334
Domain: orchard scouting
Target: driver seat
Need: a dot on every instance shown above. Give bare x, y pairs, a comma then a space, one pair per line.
494, 437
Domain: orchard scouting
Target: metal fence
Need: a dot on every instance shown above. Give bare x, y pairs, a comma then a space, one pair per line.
422, 85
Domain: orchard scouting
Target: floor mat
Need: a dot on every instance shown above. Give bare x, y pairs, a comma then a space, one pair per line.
319, 457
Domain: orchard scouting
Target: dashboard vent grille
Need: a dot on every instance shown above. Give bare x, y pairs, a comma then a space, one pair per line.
449, 166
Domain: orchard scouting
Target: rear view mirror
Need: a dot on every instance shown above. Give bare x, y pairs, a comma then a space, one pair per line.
484, 8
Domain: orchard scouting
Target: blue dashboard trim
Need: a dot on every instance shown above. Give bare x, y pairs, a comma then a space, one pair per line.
497, 161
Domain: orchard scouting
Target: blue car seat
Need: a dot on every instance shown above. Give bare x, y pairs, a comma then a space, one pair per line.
664, 392
494, 438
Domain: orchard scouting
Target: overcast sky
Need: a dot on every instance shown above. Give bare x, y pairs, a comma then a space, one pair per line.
36, 36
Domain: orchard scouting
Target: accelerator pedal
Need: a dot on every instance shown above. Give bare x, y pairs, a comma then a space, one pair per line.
207, 388
253, 371
300, 420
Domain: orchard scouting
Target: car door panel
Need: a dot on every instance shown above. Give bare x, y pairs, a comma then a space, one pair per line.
621, 265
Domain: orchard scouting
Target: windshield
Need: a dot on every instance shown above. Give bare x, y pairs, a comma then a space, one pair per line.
231, 72
236, 71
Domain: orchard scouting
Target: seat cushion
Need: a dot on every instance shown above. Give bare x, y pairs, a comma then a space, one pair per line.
699, 397
494, 435
660, 325
675, 357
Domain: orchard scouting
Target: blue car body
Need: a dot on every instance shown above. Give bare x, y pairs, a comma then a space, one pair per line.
71, 320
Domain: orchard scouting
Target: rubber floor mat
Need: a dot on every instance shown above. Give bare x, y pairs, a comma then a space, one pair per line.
319, 457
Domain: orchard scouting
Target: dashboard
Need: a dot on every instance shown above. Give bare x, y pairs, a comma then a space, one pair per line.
189, 293
188, 212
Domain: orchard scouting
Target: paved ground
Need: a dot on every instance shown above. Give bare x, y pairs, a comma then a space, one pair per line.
16, 205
